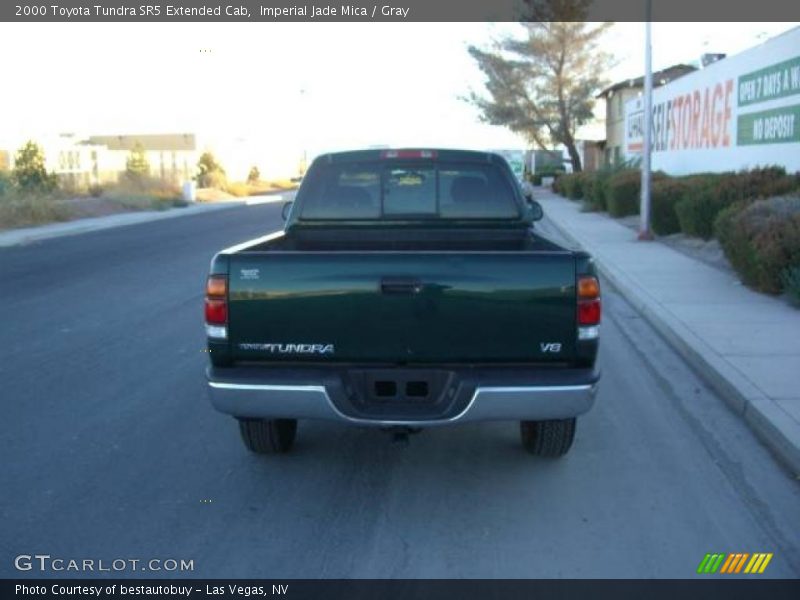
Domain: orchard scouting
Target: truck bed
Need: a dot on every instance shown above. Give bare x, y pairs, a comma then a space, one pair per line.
356, 239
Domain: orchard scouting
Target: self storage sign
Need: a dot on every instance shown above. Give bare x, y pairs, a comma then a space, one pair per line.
779, 125
737, 113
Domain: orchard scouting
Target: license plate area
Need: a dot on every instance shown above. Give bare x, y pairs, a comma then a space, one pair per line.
393, 386
412, 393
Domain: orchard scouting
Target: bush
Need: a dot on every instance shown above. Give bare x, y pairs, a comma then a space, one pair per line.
213, 179
567, 185
664, 196
573, 185
706, 195
145, 193
622, 193
586, 179
210, 172
238, 189
536, 178
761, 240
710, 193
21, 208
95, 190
5, 182
30, 173
597, 194
791, 283
555, 186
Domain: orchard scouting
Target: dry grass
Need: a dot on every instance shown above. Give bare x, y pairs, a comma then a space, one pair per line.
19, 209
212, 195
144, 194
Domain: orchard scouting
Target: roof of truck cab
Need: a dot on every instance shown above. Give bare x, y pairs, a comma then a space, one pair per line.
437, 154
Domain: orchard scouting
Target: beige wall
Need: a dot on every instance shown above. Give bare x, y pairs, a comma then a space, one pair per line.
615, 123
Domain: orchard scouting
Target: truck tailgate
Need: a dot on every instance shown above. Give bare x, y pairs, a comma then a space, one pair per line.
402, 307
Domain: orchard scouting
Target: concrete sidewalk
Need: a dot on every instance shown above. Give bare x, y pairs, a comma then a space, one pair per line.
745, 344
26, 235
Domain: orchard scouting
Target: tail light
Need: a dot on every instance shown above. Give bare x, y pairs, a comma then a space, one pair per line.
217, 307
589, 308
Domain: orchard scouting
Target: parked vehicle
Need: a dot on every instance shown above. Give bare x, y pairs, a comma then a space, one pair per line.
408, 289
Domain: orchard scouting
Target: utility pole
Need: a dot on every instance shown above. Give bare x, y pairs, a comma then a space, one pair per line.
644, 207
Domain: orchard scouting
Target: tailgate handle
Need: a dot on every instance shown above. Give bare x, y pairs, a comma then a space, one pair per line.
393, 285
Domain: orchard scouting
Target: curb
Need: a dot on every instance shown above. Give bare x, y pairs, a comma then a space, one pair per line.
764, 417
27, 235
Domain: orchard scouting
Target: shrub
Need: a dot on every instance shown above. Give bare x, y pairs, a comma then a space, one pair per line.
766, 182
210, 172
95, 190
575, 190
664, 196
145, 193
623, 191
761, 240
567, 185
599, 190
705, 197
791, 283
238, 189
586, 179
30, 173
21, 208
213, 179
536, 178
5, 182
137, 168
556, 185
254, 175
709, 194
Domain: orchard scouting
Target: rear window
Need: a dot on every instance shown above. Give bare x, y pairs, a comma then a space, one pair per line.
393, 190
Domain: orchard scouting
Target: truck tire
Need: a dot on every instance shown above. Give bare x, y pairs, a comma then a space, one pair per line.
548, 438
268, 436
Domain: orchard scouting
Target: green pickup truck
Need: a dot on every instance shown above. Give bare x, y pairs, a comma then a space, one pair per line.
407, 290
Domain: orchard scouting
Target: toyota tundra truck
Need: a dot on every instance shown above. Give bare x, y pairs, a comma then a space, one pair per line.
408, 289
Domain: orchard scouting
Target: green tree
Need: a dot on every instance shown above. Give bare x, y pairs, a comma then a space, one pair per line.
137, 167
254, 175
543, 85
210, 172
29, 171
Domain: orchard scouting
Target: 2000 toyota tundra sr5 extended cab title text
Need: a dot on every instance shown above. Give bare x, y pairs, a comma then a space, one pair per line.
407, 290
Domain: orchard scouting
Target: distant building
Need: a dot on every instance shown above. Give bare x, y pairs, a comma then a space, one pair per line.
172, 156
618, 94
80, 161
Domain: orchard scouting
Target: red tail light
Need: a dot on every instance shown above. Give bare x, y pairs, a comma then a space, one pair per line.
408, 154
589, 306
589, 312
217, 300
216, 312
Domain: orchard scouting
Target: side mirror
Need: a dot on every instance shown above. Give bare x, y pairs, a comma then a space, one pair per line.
286, 210
535, 210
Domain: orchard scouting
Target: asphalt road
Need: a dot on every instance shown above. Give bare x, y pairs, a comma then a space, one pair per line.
111, 450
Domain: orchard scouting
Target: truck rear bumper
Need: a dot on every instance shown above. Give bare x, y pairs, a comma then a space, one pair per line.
544, 396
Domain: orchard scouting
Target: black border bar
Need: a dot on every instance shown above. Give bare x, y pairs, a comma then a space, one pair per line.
711, 588
409, 10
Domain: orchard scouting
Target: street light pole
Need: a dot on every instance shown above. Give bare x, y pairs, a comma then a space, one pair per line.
644, 208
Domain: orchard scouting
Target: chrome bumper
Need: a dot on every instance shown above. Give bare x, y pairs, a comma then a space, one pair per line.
518, 403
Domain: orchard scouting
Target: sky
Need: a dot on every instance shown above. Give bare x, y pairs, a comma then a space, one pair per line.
265, 93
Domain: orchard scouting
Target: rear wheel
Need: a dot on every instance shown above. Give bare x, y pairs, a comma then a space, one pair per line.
548, 438
268, 436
